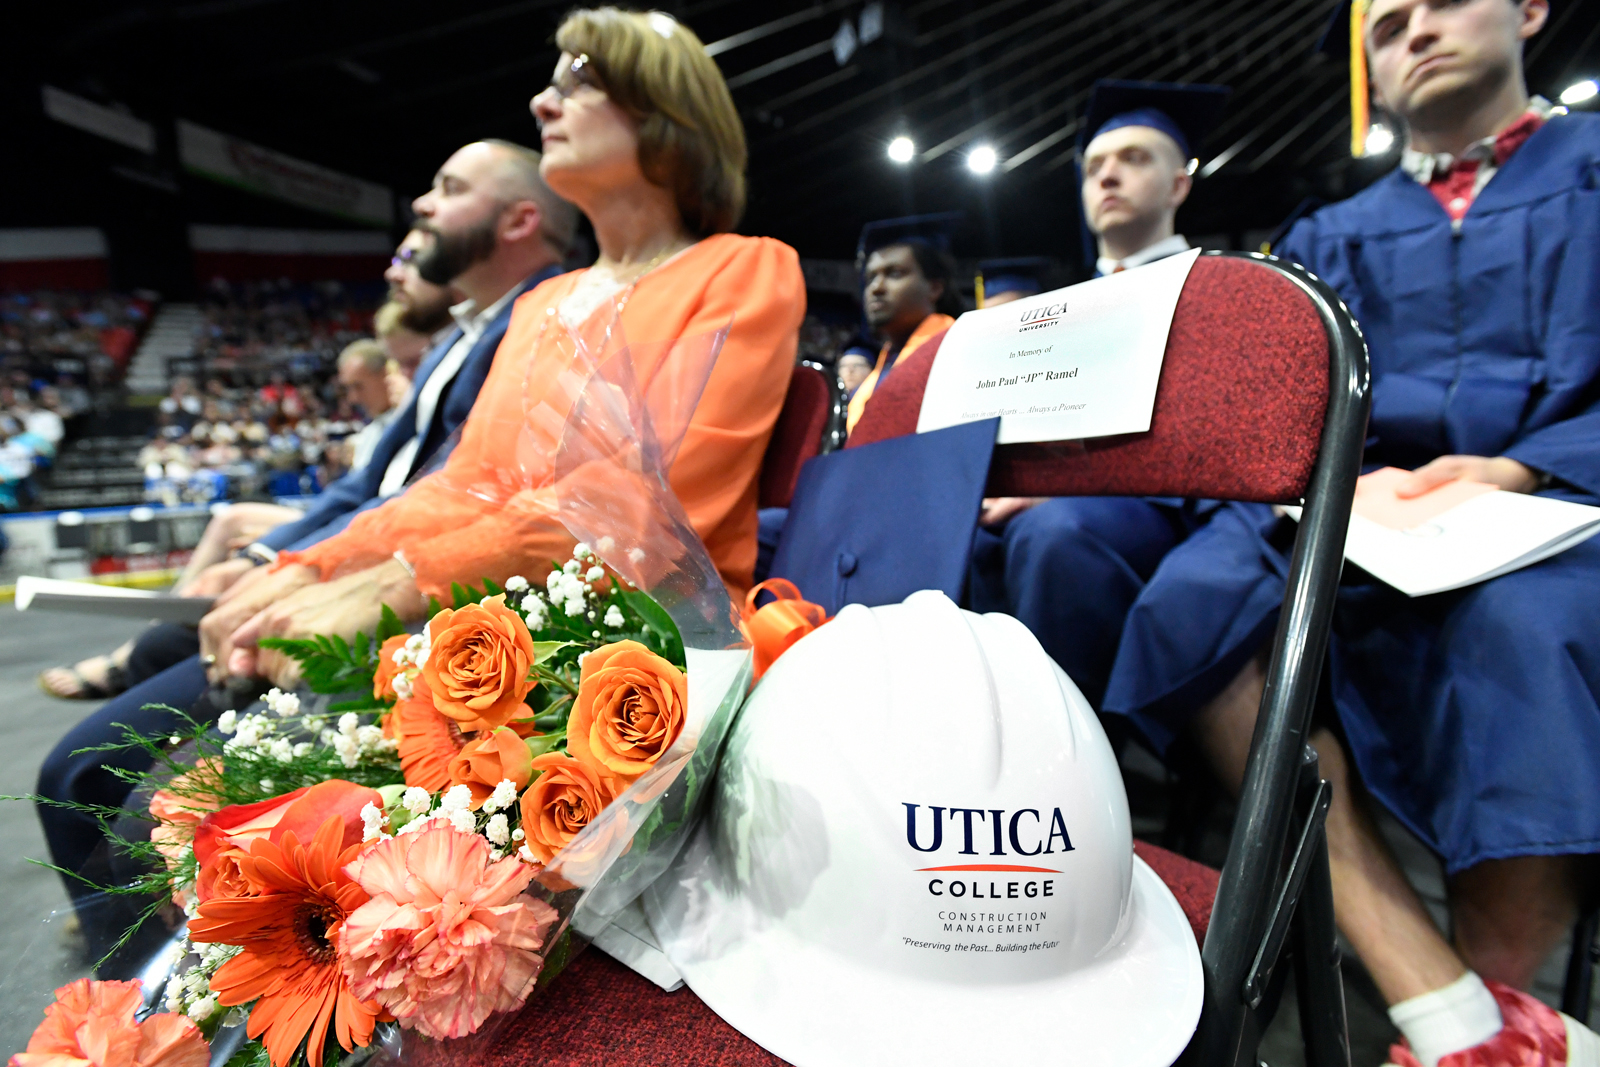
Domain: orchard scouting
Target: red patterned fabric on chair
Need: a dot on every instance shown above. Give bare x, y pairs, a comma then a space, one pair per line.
598, 1013
796, 437
1196, 446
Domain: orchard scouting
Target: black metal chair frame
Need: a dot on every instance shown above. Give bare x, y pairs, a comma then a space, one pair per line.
1275, 890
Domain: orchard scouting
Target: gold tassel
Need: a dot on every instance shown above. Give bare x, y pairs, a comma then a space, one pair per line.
1360, 116
977, 285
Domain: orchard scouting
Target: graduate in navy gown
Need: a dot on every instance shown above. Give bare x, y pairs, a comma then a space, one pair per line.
1474, 271
1071, 567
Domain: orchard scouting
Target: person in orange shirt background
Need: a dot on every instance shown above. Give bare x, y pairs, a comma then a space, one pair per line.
640, 132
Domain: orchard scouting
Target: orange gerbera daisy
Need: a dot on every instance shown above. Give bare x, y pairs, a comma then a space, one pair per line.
428, 742
288, 929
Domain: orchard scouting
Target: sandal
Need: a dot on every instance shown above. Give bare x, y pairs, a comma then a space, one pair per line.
115, 683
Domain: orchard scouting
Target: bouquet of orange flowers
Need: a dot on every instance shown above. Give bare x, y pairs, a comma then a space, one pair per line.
416, 857
406, 866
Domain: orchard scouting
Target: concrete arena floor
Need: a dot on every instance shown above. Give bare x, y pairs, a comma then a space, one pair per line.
36, 956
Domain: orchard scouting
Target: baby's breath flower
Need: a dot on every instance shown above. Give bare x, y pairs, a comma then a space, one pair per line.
504, 795
517, 834
348, 723
371, 822
268, 784
203, 1009
302, 749
464, 820
572, 566
174, 740
581, 550
614, 617
281, 750
594, 574
227, 721
402, 686
498, 831
516, 584
416, 800
285, 705
456, 798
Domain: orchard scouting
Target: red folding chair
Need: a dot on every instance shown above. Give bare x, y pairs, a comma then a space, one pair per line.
1264, 396
811, 407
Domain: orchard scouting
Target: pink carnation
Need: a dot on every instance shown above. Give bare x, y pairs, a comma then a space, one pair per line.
447, 938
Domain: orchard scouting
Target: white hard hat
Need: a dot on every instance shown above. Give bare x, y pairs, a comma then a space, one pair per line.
918, 853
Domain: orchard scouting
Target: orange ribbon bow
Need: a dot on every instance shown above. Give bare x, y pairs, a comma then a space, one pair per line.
773, 628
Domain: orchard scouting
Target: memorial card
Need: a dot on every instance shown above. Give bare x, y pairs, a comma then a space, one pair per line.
1077, 362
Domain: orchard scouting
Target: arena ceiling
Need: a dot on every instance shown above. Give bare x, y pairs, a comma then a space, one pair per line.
386, 91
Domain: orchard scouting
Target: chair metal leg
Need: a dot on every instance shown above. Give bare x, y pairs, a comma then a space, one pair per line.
1318, 981
1577, 991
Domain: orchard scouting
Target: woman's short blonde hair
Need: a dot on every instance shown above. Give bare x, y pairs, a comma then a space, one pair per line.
690, 138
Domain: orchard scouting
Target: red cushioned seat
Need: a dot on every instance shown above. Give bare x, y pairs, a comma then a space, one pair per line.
1218, 363
796, 437
600, 1014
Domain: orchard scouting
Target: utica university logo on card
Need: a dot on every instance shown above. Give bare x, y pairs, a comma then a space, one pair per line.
988, 832
1039, 318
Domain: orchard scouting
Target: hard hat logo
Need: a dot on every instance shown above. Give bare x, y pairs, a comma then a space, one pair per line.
1023, 824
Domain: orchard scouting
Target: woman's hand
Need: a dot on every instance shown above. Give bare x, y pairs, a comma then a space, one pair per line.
259, 589
1506, 473
342, 608
219, 577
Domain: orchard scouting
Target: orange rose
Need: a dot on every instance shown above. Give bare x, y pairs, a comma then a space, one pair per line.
220, 876
383, 677
561, 801
489, 759
630, 709
480, 662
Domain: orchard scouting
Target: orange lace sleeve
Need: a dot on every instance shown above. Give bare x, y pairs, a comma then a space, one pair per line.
446, 535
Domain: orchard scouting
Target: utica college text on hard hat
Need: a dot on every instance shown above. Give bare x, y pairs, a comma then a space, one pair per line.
988, 832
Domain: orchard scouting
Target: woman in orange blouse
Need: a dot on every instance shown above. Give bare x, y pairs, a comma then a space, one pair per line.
639, 132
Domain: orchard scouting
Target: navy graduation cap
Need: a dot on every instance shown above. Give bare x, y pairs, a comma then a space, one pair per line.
1023, 275
1186, 113
937, 230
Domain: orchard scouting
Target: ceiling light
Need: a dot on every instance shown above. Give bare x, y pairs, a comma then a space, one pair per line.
1579, 92
902, 148
1379, 140
981, 160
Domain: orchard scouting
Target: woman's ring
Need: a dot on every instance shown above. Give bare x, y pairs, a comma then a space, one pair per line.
209, 660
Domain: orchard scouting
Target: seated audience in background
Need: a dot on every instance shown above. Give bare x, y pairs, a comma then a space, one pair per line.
496, 180
664, 195
1472, 715
364, 376
909, 295
855, 363
1071, 567
404, 346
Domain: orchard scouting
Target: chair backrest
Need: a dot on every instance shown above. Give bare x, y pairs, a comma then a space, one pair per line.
1238, 413
1264, 395
798, 434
